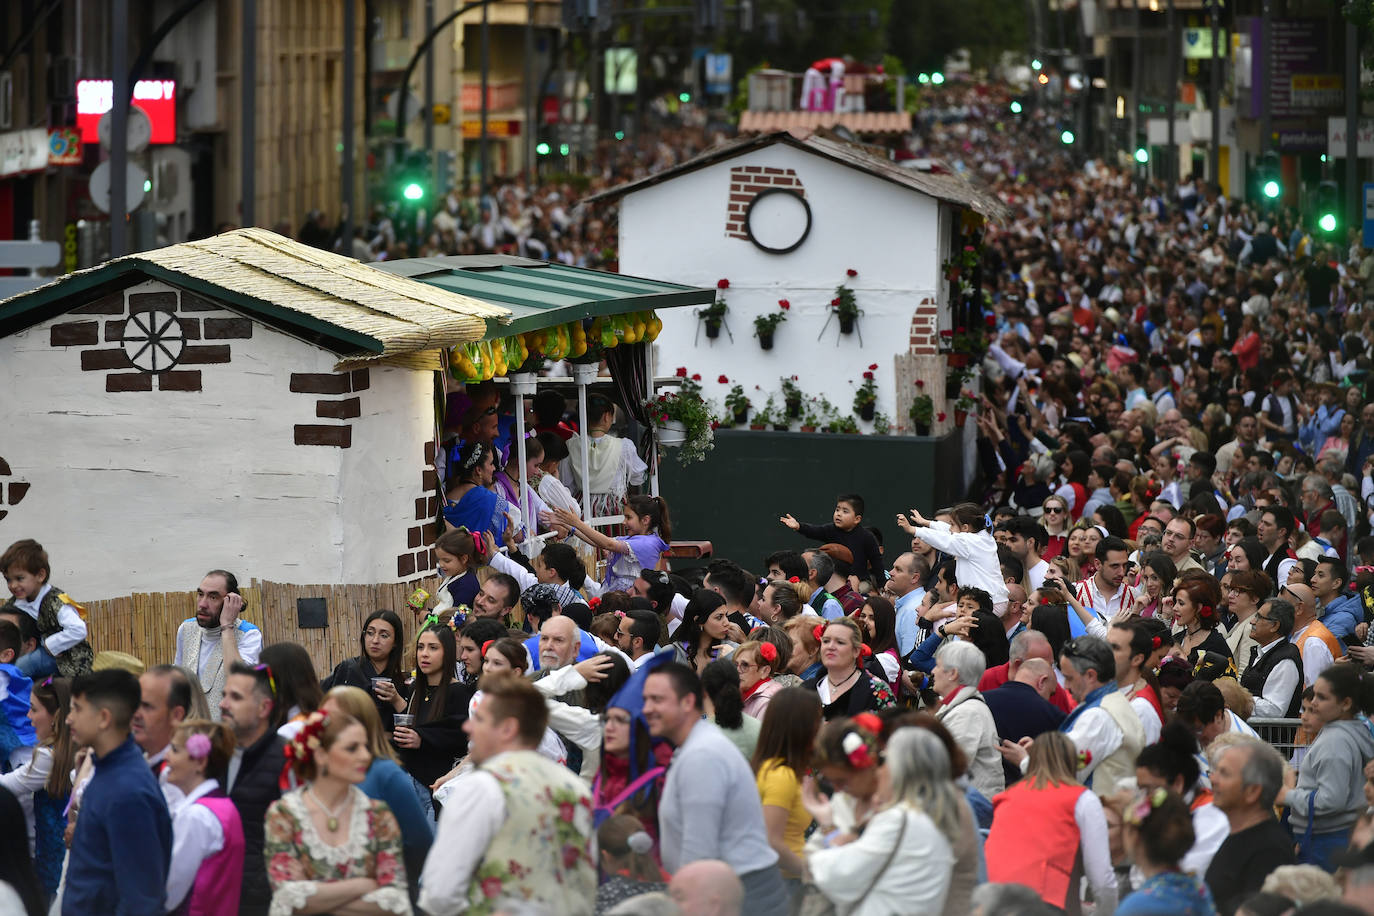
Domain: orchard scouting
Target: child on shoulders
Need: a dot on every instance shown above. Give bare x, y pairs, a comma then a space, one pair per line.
846, 528
62, 646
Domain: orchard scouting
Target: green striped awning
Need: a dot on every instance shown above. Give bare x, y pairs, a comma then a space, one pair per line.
540, 294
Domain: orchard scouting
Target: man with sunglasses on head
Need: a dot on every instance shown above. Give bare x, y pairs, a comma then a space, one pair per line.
1318, 646
1274, 675
254, 771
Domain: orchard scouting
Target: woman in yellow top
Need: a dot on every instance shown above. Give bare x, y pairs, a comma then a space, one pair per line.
781, 758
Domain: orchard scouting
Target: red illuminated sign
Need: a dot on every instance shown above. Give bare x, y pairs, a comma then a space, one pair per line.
157, 98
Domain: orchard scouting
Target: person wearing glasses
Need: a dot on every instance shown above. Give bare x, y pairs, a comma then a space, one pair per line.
1318, 645
1103, 726
1273, 674
1056, 522
1243, 592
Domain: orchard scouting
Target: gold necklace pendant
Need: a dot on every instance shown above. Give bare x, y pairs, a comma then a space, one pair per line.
333, 824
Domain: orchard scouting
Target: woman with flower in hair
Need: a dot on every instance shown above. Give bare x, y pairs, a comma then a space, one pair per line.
1196, 599
845, 685
1067, 821
1158, 832
878, 618
206, 870
328, 846
470, 502
757, 663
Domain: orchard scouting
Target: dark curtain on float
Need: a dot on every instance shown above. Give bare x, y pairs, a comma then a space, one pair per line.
632, 384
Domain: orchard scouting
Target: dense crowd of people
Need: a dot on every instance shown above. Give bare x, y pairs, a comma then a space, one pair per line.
1129, 675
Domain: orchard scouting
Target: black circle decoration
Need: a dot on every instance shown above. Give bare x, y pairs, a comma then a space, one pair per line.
154, 340
777, 233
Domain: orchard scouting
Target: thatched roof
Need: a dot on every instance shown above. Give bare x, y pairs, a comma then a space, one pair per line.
353, 309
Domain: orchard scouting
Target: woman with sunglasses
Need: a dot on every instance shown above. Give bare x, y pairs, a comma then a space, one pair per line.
1056, 522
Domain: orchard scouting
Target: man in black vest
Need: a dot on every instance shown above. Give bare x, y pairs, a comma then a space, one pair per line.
1274, 529
1278, 412
1274, 675
254, 771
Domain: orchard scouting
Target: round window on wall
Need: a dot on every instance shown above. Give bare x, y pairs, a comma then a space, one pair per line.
154, 340
778, 220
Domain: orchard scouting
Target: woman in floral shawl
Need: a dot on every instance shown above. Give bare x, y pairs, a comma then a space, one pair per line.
327, 844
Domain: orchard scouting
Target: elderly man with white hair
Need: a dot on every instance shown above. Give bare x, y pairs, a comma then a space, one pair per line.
958, 667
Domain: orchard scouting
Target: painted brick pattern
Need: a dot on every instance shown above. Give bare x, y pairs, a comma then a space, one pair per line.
746, 181
419, 555
924, 328
338, 407
100, 344
12, 492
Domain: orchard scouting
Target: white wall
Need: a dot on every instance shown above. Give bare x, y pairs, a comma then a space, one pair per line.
676, 231
144, 491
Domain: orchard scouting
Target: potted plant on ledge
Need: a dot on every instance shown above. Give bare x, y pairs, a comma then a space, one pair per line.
921, 412
792, 397
765, 326
682, 418
736, 403
866, 398
962, 405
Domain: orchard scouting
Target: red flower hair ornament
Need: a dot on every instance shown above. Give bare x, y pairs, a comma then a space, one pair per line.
768, 652
303, 747
818, 631
794, 579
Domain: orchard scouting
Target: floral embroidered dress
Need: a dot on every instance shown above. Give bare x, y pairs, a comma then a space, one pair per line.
298, 859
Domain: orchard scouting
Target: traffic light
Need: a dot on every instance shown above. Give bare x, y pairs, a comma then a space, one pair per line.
937, 78
413, 190
1328, 206
684, 97
1142, 155
1066, 137
1035, 64
543, 148
447, 167
1015, 106
923, 78
1270, 177
413, 177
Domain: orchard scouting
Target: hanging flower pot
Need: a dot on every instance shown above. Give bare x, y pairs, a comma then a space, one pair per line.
846, 324
671, 433
712, 329
866, 411
960, 417
766, 341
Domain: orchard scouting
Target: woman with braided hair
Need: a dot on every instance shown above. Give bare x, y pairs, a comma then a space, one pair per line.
329, 846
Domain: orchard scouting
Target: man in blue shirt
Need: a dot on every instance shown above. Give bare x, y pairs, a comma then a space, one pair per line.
122, 845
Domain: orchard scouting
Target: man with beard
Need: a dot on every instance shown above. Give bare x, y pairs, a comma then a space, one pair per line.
210, 642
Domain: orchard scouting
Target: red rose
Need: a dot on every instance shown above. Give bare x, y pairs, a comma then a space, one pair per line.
723, 380
722, 283
696, 376
784, 304
681, 372
868, 375
990, 319
946, 333
715, 425
794, 378
852, 272
663, 419
834, 303
873, 366
491, 887
920, 384
940, 417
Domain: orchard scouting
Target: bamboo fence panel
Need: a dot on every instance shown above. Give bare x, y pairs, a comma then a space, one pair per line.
145, 624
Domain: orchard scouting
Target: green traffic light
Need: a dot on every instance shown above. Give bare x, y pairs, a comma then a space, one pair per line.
620, 135
1036, 65
684, 97
564, 149
543, 149
1066, 138
937, 78
413, 191
1327, 223
923, 78
1015, 107
1271, 189
1142, 155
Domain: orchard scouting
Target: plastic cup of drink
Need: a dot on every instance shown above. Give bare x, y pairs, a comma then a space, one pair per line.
377, 681
403, 720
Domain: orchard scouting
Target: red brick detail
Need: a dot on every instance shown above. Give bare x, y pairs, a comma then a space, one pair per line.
360, 379
429, 453
424, 560
113, 304
746, 182
431, 532
150, 302
433, 507
228, 329
405, 565
319, 383
179, 381
414, 536
204, 356
430, 479
19, 490
346, 409
336, 436
128, 381
74, 334
100, 360
422, 509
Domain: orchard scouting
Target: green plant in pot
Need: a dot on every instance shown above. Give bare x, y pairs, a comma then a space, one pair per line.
882, 426
736, 403
714, 313
765, 417
921, 413
845, 304
765, 326
685, 408
792, 397
866, 397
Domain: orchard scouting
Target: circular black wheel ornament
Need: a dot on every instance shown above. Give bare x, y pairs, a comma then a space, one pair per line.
153, 341
778, 220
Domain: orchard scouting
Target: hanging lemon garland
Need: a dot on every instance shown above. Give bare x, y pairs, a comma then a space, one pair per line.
479, 361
